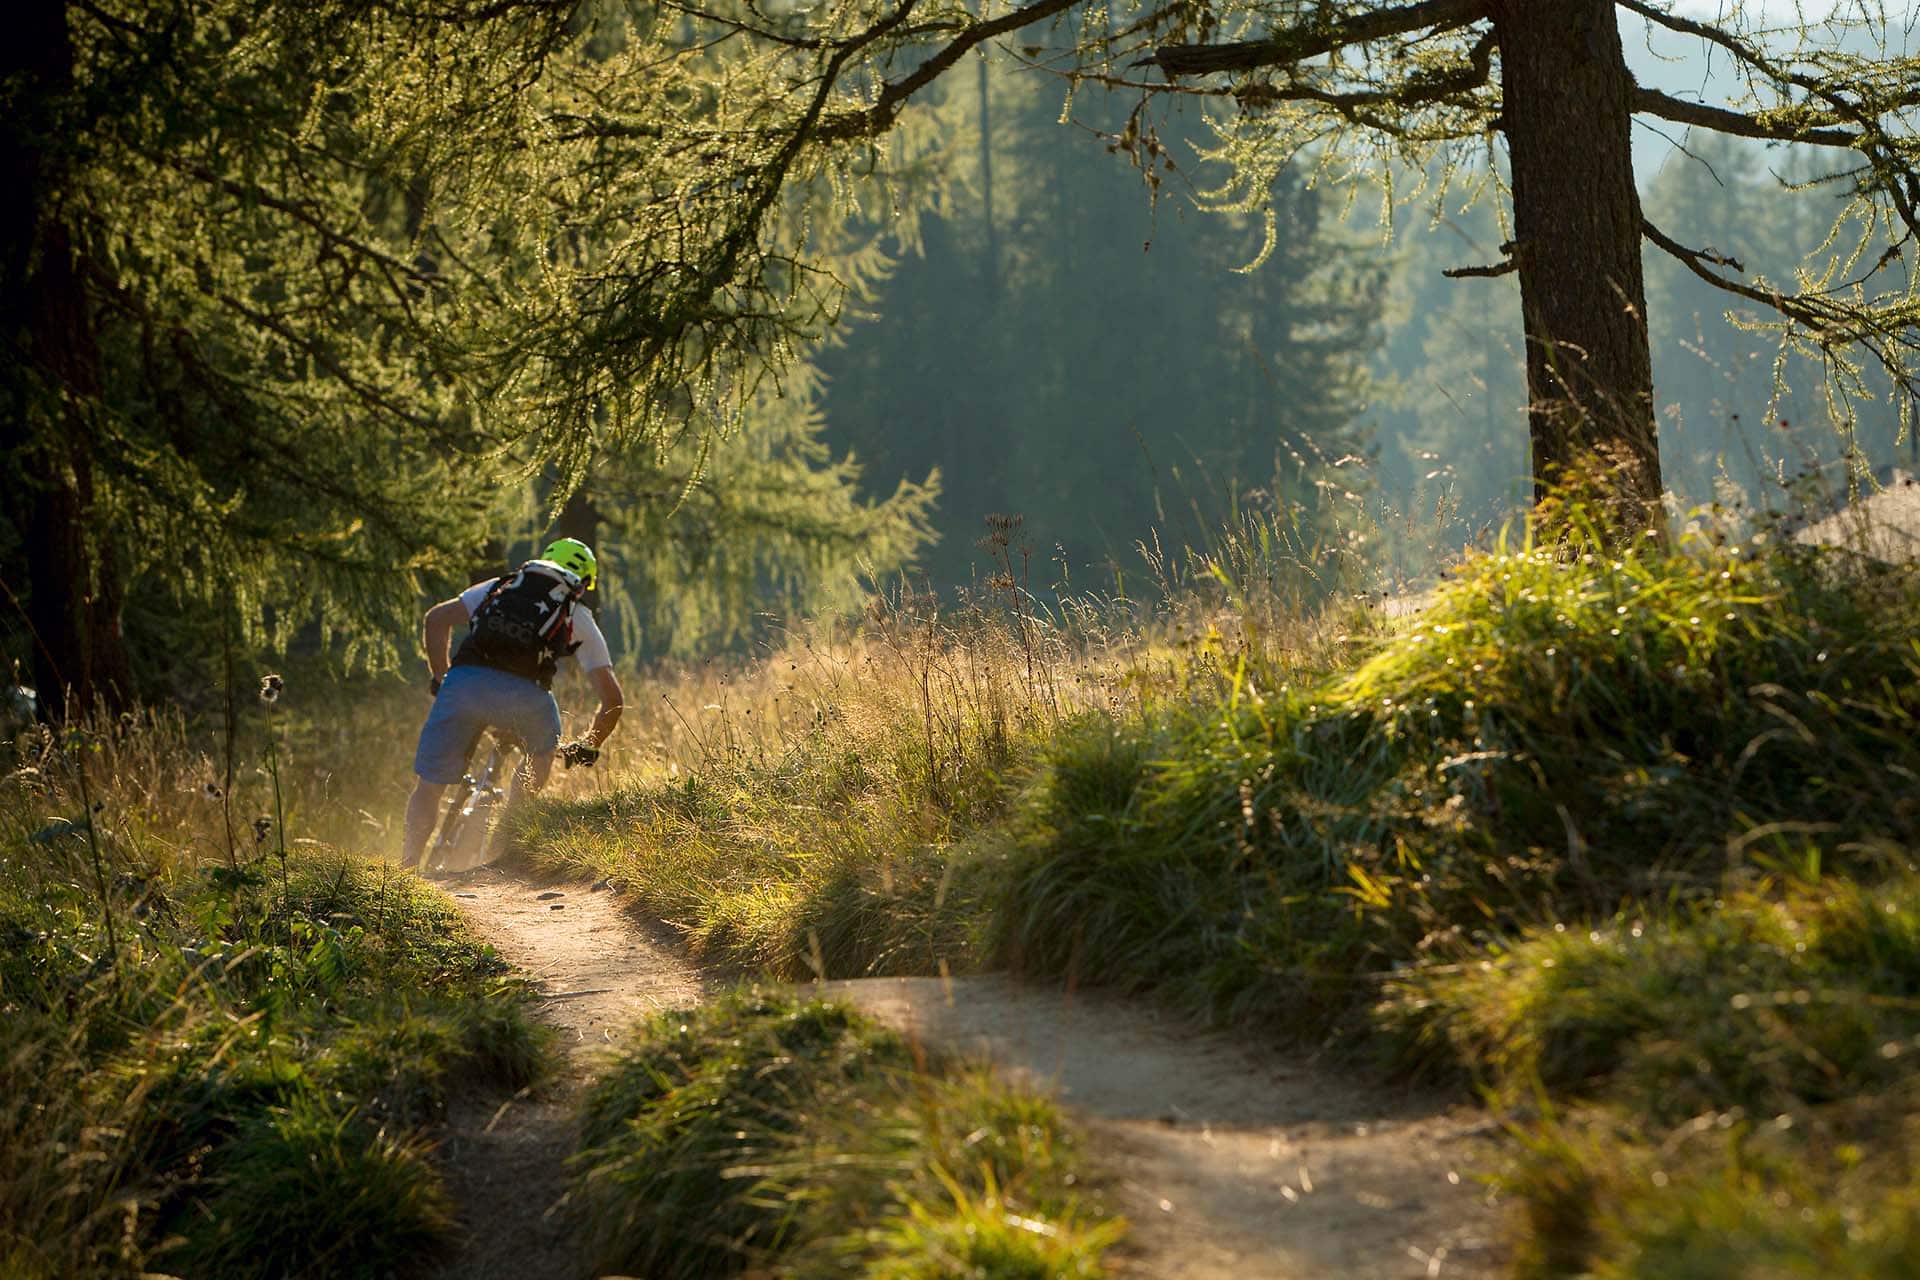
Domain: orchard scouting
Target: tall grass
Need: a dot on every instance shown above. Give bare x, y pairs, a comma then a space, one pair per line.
840, 807
812, 814
205, 1068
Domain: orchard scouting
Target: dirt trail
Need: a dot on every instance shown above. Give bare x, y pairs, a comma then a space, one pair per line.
1228, 1163
599, 971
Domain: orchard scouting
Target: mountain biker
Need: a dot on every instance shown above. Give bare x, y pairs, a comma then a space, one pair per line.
520, 626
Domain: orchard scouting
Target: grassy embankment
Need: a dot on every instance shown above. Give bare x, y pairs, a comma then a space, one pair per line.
786, 1137
225, 1033
1625, 841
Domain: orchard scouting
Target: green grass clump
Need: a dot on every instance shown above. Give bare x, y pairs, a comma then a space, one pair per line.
313, 1188
1747, 1223
982, 1234
1761, 1002
1560, 732
774, 1135
1726, 1197
686, 1139
1742, 1074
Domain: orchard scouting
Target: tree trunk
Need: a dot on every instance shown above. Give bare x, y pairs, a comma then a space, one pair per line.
1576, 212
75, 594
990, 256
578, 518
74, 583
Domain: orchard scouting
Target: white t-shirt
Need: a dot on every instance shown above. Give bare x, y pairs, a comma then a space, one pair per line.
592, 654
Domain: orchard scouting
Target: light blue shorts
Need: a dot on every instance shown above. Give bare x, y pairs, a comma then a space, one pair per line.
472, 700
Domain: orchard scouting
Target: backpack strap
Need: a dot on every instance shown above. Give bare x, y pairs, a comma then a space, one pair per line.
499, 585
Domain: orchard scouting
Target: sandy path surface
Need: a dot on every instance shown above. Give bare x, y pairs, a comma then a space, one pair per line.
1228, 1162
598, 971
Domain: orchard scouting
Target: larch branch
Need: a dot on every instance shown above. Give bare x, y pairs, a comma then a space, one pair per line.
1298, 43
879, 117
1873, 139
1695, 258
1722, 120
1704, 30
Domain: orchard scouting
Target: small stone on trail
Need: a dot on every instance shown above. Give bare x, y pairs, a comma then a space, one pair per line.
557, 906
466, 895
551, 893
607, 883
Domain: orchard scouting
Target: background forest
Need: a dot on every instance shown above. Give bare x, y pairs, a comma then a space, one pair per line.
271, 414
1069, 344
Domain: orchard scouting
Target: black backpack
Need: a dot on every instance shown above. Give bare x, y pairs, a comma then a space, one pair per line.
525, 625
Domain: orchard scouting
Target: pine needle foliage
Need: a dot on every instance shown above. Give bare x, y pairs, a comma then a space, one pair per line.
708, 551
303, 295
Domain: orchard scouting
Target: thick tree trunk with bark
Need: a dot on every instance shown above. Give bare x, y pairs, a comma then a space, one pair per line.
1577, 221
75, 585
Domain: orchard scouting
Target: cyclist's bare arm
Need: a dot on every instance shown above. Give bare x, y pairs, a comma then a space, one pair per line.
607, 687
438, 634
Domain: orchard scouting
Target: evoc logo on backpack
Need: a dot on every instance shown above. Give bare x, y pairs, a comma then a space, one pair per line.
525, 625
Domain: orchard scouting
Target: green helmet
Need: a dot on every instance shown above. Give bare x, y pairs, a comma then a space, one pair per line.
576, 557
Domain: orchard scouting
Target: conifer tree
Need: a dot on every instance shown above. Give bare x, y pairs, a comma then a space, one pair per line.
281, 279
241, 357
766, 524
296, 295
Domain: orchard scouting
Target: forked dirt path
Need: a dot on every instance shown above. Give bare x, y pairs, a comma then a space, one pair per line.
1228, 1163
598, 971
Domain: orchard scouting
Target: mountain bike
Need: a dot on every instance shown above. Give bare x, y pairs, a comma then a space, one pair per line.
472, 806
